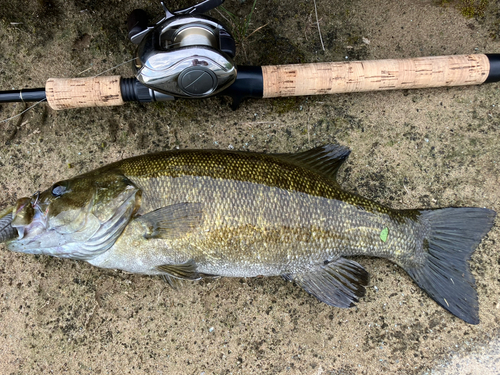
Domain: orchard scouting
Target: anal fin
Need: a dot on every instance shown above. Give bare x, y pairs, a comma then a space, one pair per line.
340, 283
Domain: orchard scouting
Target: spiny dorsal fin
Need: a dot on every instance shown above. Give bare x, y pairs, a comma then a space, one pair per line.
325, 160
340, 283
172, 221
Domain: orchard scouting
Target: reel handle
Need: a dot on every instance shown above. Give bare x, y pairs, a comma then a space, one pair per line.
137, 22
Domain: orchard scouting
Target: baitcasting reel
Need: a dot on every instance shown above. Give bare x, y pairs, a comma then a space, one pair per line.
186, 54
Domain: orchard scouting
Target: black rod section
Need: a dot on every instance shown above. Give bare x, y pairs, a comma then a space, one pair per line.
134, 91
248, 84
26, 95
494, 75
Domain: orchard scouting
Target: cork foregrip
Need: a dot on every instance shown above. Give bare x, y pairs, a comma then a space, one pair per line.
357, 76
65, 93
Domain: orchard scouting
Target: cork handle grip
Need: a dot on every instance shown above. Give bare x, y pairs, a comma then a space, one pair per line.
65, 93
356, 76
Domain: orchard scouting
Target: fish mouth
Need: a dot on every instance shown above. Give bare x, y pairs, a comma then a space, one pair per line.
27, 217
7, 232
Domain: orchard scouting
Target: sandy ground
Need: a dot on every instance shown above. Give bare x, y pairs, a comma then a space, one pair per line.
411, 149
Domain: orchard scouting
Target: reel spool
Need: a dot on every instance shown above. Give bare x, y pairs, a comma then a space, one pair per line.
186, 54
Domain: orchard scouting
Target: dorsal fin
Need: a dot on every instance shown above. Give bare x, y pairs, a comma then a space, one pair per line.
325, 160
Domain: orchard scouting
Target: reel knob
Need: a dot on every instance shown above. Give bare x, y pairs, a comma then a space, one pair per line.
197, 81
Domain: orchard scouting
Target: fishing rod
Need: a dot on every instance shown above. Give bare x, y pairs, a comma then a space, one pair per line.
190, 55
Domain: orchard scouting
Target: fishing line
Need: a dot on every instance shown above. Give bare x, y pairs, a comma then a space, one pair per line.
317, 23
23, 112
114, 67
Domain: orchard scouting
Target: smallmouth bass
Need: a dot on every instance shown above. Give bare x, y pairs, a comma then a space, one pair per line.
188, 214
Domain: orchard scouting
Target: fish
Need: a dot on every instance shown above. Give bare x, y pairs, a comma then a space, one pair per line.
193, 214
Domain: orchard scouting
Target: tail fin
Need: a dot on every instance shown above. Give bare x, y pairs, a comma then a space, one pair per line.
453, 235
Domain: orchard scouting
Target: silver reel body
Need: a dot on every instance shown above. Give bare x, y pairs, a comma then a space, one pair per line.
186, 56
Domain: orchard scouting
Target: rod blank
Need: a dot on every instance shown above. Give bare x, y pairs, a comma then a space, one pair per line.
26, 95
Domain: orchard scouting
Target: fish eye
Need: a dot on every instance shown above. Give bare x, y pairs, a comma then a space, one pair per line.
58, 190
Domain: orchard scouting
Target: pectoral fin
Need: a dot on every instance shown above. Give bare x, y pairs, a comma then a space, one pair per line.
340, 283
172, 221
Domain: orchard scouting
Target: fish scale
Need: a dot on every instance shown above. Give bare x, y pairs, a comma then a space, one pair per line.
273, 234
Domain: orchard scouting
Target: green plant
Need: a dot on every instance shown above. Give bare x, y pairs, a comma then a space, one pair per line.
240, 25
